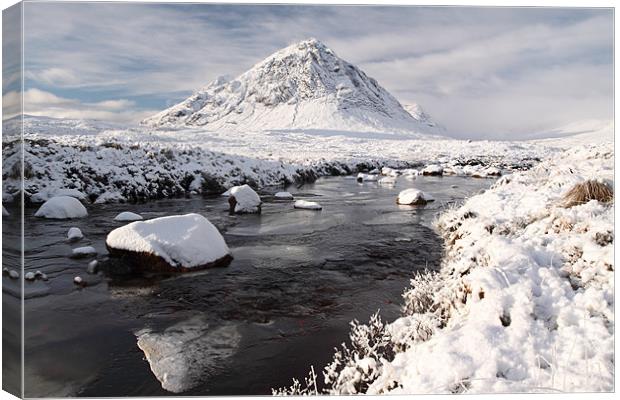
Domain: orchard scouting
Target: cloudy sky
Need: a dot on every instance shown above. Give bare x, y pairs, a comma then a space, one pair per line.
481, 72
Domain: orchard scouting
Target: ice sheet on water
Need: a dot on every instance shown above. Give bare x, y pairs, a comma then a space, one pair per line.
188, 353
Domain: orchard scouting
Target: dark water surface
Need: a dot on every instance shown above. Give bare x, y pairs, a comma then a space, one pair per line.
298, 277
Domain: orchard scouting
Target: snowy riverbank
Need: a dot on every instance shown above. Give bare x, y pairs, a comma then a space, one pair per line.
524, 301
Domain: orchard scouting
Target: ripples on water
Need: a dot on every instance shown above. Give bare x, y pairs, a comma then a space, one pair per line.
298, 277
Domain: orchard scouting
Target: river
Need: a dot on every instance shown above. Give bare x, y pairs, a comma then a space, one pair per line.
297, 279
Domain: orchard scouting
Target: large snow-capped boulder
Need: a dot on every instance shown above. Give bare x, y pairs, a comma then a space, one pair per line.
128, 216
413, 197
62, 207
176, 243
244, 200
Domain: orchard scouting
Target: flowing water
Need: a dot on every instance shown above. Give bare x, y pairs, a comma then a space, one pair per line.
297, 279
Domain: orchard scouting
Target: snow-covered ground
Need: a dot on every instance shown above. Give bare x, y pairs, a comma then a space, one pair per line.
524, 301
135, 163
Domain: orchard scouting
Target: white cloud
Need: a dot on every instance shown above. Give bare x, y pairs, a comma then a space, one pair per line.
41, 103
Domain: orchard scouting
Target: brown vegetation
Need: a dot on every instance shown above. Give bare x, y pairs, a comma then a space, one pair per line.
583, 192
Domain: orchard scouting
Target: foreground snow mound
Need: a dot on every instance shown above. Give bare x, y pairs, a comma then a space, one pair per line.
307, 205
413, 197
188, 353
62, 207
524, 300
244, 200
175, 243
128, 216
303, 86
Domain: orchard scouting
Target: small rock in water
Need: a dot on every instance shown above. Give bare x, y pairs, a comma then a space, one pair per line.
454, 186
29, 276
13, 274
307, 205
413, 197
283, 196
84, 251
5, 271
433, 170
74, 234
92, 267
244, 200
128, 216
40, 275
402, 239
79, 281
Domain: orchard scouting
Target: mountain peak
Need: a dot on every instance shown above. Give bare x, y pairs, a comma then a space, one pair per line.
302, 86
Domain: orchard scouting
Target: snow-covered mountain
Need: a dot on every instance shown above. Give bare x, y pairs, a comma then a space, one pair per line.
418, 113
303, 86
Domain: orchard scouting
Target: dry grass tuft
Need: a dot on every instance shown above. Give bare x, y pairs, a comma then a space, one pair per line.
583, 192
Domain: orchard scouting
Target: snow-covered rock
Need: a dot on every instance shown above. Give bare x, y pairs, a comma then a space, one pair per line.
188, 353
303, 86
387, 171
244, 200
128, 216
110, 197
413, 197
47, 194
85, 251
74, 234
79, 281
92, 267
432, 170
62, 207
13, 274
307, 205
174, 243
283, 196
40, 275
29, 276
362, 177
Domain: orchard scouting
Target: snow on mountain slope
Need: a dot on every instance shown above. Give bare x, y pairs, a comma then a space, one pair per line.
581, 133
418, 113
303, 86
